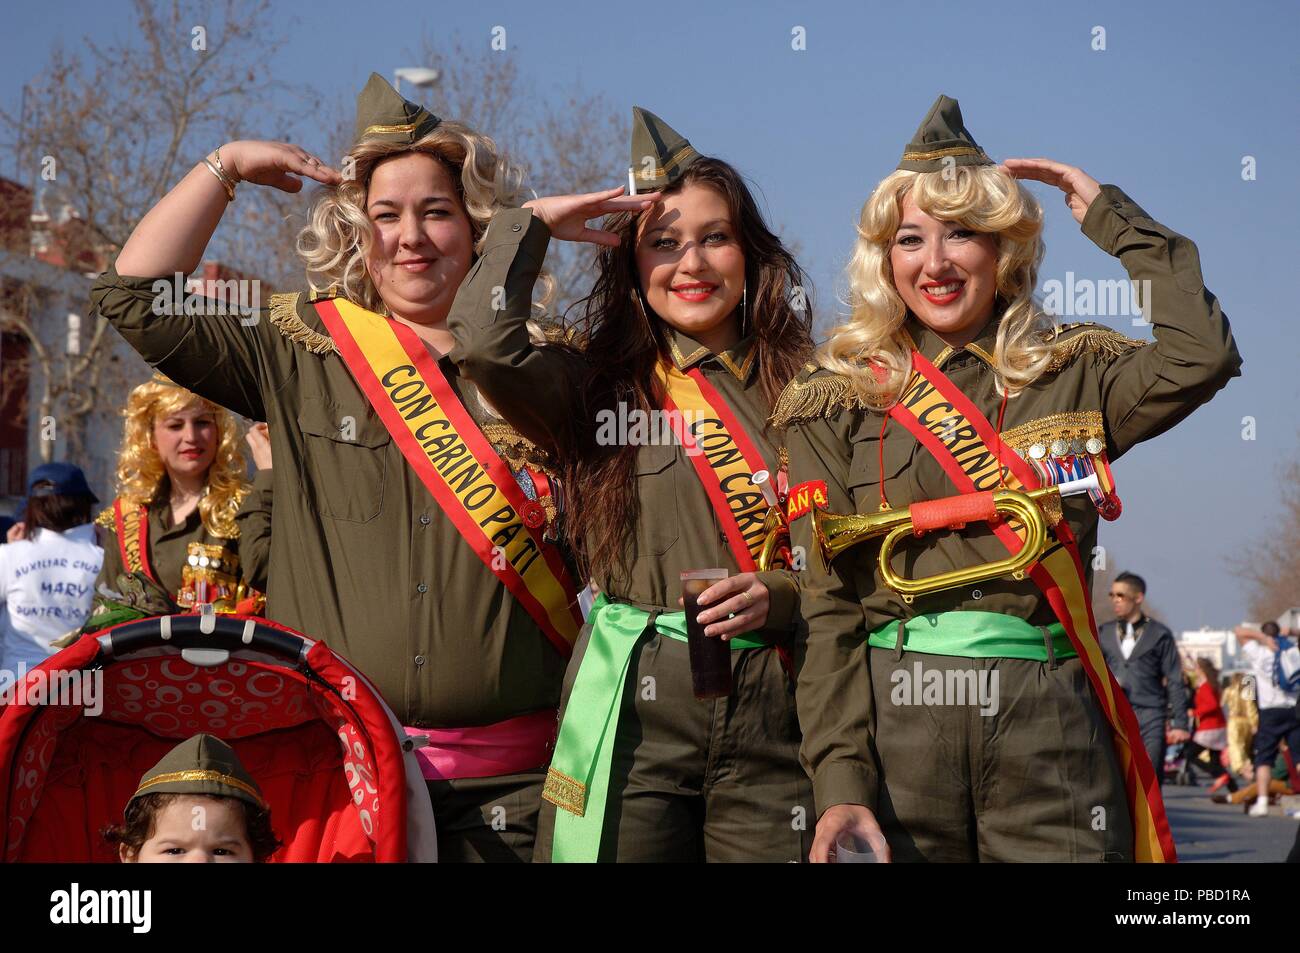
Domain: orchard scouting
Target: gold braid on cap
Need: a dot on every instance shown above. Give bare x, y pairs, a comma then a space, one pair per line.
940, 153
195, 774
378, 130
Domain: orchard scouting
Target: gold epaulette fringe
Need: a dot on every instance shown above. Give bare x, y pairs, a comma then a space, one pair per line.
106, 519
1095, 339
816, 397
284, 315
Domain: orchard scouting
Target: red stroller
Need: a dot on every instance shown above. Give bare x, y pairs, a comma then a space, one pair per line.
326, 751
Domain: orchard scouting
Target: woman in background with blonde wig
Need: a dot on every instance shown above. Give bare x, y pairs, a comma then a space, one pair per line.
978, 721
413, 530
180, 484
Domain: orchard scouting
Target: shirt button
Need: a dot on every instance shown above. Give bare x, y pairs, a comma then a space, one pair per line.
419, 660
424, 518
421, 588
516, 227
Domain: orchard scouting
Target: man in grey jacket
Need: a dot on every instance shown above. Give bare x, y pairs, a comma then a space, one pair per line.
1144, 657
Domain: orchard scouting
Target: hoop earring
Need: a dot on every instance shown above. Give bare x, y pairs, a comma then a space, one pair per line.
744, 307
641, 304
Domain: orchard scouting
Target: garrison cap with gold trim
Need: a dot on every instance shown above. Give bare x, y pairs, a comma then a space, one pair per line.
201, 764
668, 151
942, 135
383, 114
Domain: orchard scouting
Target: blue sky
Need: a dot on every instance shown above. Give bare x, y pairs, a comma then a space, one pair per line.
1167, 111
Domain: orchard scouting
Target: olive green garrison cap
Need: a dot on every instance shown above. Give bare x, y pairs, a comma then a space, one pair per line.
383, 114
942, 136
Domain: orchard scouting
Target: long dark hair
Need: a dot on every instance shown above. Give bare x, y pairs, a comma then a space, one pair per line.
56, 511
623, 343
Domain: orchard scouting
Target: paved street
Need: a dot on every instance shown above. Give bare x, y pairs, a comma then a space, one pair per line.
1222, 833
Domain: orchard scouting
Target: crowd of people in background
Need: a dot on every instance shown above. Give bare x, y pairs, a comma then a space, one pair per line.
1240, 730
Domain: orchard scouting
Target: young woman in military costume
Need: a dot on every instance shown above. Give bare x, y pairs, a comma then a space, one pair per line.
948, 379
697, 307
409, 534
180, 489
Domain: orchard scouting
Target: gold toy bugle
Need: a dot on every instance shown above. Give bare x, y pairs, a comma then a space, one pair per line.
776, 531
835, 533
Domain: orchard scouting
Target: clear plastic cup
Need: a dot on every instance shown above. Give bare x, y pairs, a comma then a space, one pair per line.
710, 656
851, 848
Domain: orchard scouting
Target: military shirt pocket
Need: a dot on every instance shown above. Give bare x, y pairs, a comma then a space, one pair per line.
656, 488
865, 473
343, 459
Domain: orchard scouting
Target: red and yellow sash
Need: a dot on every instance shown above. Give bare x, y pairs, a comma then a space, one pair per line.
132, 525
455, 462
724, 457
951, 427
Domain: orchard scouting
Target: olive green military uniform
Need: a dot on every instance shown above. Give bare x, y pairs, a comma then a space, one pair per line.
690, 780
362, 556
254, 522
1023, 782
168, 544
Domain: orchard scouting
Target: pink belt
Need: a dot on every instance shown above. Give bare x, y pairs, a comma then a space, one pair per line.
488, 751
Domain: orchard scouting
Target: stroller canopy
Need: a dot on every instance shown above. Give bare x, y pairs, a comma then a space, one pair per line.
326, 751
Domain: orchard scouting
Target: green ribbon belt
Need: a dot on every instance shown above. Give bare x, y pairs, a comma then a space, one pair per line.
578, 779
974, 635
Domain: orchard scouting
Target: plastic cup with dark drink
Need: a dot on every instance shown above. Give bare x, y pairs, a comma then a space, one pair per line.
853, 848
710, 656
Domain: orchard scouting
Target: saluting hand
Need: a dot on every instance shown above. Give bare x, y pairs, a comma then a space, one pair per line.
276, 164
742, 595
567, 215
1079, 187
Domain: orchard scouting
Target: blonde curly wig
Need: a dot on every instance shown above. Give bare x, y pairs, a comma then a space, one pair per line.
982, 198
338, 235
140, 470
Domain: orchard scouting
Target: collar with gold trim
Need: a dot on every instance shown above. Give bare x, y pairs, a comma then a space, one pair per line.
687, 352
933, 348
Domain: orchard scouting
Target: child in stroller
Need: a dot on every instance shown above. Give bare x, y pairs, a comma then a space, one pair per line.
196, 805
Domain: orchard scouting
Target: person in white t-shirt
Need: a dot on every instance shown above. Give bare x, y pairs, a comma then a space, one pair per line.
47, 576
1278, 718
